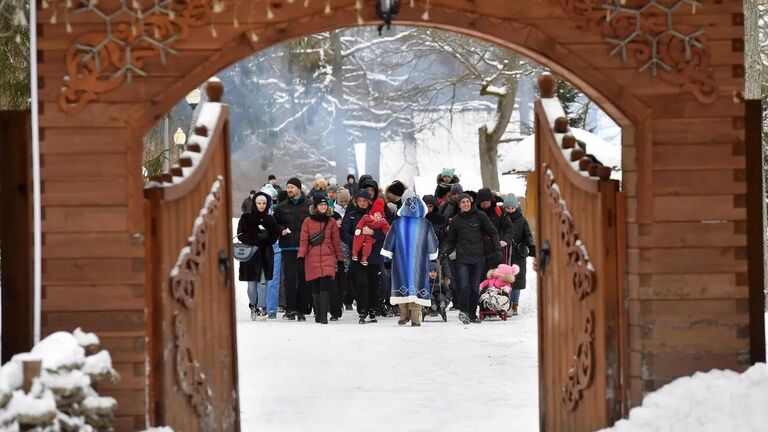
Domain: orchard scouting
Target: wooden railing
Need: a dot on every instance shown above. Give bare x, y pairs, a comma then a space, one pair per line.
580, 287
193, 363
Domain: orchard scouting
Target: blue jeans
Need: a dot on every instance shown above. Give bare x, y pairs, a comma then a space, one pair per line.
253, 293
469, 277
514, 296
273, 286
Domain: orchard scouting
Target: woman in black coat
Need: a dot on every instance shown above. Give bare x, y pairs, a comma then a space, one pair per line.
258, 228
520, 238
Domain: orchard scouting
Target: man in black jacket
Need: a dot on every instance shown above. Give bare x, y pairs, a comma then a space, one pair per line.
487, 204
290, 215
465, 235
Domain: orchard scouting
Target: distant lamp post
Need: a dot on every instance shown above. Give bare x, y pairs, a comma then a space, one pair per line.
179, 138
386, 10
193, 98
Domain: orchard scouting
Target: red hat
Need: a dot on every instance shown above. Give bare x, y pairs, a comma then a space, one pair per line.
378, 207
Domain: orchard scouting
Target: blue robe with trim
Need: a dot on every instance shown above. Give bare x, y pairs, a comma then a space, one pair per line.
411, 244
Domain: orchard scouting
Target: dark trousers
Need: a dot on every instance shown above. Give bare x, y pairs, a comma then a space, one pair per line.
454, 285
321, 292
469, 276
349, 291
297, 298
366, 284
338, 290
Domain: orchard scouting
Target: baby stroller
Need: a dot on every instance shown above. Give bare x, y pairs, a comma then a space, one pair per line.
441, 296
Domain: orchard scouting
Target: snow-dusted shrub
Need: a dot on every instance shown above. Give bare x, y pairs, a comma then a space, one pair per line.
62, 397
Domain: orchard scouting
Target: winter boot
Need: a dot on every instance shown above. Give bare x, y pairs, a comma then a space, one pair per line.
322, 306
416, 314
514, 309
372, 317
289, 316
254, 313
362, 320
404, 316
301, 317
443, 315
463, 318
271, 315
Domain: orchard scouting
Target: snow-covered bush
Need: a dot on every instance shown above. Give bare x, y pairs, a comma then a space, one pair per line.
62, 397
718, 400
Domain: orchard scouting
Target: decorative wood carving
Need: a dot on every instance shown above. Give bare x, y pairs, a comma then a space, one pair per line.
98, 62
186, 272
647, 31
582, 273
581, 369
191, 381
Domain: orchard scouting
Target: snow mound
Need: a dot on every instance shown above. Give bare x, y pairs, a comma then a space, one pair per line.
714, 401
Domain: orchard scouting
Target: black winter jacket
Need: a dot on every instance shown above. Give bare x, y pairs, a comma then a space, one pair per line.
291, 215
465, 235
519, 232
502, 225
348, 226
444, 188
250, 232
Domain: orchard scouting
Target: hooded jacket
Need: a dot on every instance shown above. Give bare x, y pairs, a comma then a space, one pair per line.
258, 229
444, 188
434, 217
320, 260
291, 215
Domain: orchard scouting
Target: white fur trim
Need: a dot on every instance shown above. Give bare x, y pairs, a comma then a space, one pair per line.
410, 299
386, 253
433, 256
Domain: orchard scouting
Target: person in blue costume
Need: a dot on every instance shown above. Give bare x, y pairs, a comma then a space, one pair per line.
411, 244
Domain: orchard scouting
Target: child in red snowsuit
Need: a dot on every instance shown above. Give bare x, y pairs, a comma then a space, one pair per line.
375, 221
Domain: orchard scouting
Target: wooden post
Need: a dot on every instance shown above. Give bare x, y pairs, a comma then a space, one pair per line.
31, 370
755, 230
16, 233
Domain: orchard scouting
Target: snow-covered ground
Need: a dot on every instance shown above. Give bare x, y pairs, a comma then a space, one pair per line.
381, 377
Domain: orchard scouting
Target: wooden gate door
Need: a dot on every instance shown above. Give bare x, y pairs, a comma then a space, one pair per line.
579, 280
193, 365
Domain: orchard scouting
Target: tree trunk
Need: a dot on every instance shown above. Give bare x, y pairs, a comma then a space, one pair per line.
488, 159
338, 132
489, 141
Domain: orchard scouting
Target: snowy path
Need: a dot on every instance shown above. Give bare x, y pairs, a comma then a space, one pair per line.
381, 377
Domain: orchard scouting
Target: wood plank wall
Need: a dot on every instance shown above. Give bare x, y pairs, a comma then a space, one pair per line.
683, 162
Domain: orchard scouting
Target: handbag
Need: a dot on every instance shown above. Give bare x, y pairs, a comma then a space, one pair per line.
242, 251
317, 238
522, 249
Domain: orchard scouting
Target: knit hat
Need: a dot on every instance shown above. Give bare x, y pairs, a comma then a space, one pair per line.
461, 196
504, 270
432, 266
362, 193
511, 201
343, 195
332, 188
397, 188
318, 199
269, 190
271, 177
294, 181
447, 172
456, 188
378, 207
484, 195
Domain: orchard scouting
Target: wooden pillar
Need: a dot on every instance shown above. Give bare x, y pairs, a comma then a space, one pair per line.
16, 233
755, 227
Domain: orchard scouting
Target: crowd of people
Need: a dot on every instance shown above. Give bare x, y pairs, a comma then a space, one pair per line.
382, 252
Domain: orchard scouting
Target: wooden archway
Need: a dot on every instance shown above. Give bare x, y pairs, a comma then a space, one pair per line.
688, 280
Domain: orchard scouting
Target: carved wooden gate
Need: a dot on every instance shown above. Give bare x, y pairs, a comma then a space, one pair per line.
193, 363
579, 227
